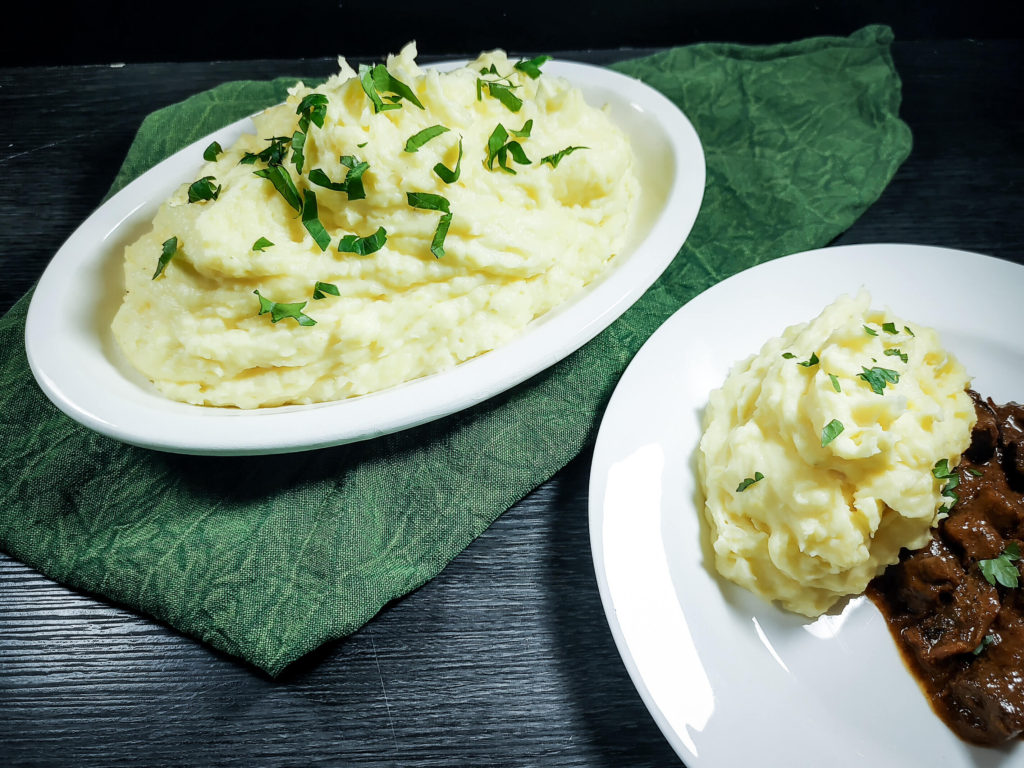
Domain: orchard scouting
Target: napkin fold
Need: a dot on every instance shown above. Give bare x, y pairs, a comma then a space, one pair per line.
267, 558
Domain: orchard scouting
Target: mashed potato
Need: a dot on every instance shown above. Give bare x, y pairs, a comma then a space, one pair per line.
831, 509
519, 242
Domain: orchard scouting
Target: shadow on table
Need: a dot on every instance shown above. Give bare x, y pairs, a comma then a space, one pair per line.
593, 672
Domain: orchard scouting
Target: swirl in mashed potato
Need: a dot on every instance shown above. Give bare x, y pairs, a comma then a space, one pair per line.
518, 245
832, 507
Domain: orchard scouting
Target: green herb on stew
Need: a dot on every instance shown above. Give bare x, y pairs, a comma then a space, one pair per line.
1001, 570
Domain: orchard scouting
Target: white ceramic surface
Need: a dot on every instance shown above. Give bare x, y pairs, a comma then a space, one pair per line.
78, 365
730, 679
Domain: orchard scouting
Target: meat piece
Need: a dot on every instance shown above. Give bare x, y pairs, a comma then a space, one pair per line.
958, 626
973, 535
927, 576
986, 431
989, 692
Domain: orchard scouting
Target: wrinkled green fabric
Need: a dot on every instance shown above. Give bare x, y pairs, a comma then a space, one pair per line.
267, 558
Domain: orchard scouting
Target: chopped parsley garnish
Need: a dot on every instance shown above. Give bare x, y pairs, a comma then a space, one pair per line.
363, 246
986, 641
281, 311
555, 159
788, 355
321, 290
211, 152
747, 482
811, 361
417, 140
311, 220
203, 189
500, 89
524, 132
437, 242
1001, 569
272, 155
897, 352
428, 201
499, 147
831, 431
353, 182
907, 329
877, 378
298, 154
283, 183
869, 331
169, 248
532, 66
890, 328
377, 80
450, 176
313, 107
360, 146
835, 382
974, 472
262, 244
942, 471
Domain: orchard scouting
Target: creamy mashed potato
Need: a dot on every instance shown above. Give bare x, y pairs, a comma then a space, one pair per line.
832, 508
517, 246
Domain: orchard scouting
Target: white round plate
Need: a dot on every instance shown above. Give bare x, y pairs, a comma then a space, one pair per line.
730, 679
77, 363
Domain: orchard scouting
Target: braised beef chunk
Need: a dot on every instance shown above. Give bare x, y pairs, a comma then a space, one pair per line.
962, 636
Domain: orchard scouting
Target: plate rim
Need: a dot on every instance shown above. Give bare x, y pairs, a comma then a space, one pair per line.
301, 427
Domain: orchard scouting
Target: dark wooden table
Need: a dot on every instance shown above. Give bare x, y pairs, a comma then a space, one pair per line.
505, 658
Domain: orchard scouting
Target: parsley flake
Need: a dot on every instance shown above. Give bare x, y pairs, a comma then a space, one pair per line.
427, 201
788, 355
280, 311
211, 152
532, 66
897, 352
313, 107
417, 140
747, 482
499, 147
986, 641
311, 220
877, 378
203, 189
835, 382
272, 155
363, 246
169, 248
352, 185
320, 290
262, 244
447, 175
437, 241
811, 361
298, 150
283, 183
377, 80
869, 331
1001, 569
555, 159
907, 329
831, 431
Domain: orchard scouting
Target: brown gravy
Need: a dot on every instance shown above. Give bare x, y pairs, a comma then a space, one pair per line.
962, 637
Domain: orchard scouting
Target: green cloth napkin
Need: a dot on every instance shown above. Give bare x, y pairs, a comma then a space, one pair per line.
267, 558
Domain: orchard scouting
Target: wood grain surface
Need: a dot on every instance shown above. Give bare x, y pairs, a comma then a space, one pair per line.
505, 658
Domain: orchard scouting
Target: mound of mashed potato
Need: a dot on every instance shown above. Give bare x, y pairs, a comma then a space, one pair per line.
520, 240
818, 453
